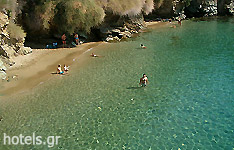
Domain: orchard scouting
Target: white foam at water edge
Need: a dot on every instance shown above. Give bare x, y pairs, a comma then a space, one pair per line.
88, 50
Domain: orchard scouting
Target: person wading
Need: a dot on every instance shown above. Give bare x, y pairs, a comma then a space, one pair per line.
143, 80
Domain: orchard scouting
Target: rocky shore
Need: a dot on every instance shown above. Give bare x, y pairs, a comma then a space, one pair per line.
9, 47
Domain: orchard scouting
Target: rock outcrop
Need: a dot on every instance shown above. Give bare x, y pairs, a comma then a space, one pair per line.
200, 8
226, 7
230, 7
2, 70
194, 8
10, 46
124, 28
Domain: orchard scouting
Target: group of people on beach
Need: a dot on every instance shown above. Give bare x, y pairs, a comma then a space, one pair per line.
66, 68
62, 71
179, 22
76, 39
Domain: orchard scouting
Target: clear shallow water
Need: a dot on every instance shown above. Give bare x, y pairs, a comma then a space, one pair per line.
188, 103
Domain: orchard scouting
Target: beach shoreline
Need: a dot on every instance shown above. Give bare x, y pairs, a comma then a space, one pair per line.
35, 68
39, 66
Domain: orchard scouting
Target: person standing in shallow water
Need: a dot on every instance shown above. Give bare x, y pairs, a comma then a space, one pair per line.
143, 81
179, 21
64, 40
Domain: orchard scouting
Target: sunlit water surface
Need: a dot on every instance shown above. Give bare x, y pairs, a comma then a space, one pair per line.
188, 103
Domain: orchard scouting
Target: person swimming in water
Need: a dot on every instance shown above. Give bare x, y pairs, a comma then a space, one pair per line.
179, 21
59, 70
93, 55
143, 46
143, 81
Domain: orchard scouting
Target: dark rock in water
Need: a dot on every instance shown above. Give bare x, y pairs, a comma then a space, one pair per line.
175, 38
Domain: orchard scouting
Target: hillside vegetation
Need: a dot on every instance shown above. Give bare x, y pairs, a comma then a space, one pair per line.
59, 16
50, 17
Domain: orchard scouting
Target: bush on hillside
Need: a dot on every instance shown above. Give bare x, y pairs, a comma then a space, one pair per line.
158, 3
77, 15
15, 32
148, 6
45, 12
130, 7
60, 16
11, 6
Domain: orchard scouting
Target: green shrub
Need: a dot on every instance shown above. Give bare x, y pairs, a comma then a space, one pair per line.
77, 15
69, 16
187, 2
158, 3
3, 4
10, 5
16, 32
129, 7
45, 12
148, 7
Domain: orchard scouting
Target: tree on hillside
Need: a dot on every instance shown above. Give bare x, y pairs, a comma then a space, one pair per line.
59, 16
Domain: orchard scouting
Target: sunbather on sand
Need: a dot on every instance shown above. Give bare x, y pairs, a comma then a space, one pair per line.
59, 70
66, 68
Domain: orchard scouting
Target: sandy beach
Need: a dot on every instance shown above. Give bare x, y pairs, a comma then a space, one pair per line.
39, 66
152, 23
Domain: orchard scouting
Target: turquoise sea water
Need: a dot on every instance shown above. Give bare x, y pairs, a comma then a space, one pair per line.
187, 105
